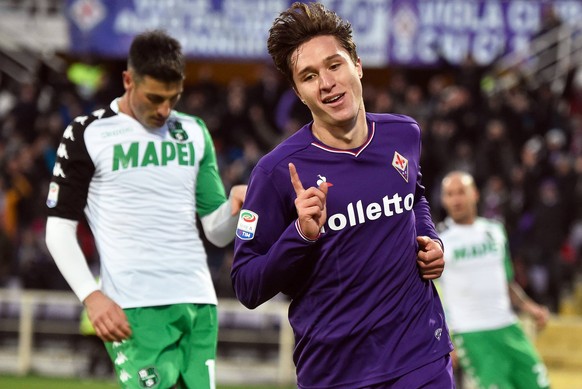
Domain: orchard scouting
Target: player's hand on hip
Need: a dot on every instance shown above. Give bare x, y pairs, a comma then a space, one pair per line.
237, 198
108, 318
430, 258
310, 205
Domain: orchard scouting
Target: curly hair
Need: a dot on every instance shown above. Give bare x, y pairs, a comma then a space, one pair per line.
300, 23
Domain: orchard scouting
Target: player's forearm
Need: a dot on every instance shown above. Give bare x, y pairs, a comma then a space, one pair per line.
219, 226
257, 278
61, 240
423, 219
519, 298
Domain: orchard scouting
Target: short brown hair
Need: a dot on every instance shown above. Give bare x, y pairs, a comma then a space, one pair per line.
300, 23
158, 55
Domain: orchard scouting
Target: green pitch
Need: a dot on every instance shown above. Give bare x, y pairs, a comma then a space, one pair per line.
33, 382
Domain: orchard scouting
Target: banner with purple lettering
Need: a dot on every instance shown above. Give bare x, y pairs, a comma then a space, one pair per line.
387, 32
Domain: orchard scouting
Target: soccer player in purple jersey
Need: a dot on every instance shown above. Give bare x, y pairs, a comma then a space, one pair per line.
335, 218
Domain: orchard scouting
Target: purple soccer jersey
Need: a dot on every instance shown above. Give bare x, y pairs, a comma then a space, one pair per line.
360, 311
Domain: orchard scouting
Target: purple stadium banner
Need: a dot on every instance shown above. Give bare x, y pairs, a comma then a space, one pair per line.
387, 32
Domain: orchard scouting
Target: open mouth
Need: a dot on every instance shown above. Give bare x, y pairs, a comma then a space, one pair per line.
333, 99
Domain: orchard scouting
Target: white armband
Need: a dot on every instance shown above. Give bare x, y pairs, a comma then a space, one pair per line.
220, 226
61, 240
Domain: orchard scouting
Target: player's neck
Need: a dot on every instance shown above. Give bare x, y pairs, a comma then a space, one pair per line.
466, 221
346, 136
123, 105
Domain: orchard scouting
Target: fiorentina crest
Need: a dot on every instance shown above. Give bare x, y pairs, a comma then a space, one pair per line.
401, 165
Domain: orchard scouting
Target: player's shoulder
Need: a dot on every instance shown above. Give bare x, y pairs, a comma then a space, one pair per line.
187, 118
293, 145
490, 224
82, 122
389, 122
387, 118
190, 123
444, 226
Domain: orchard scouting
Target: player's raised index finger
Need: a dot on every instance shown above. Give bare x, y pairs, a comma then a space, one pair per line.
295, 181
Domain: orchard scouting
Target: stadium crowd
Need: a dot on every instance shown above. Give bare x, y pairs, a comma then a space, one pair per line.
522, 144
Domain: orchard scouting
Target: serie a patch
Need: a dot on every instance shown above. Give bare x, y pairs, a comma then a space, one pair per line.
247, 225
53, 195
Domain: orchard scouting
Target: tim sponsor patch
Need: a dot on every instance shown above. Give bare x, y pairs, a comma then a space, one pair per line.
247, 225
53, 195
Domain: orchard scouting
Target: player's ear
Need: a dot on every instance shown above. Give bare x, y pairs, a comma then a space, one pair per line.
476, 194
128, 80
299, 95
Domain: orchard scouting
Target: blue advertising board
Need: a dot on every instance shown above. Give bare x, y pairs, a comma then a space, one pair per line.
399, 32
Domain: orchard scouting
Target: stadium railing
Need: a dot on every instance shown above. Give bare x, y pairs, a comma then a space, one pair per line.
256, 345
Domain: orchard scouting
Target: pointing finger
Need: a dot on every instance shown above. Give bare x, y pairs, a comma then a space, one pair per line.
295, 181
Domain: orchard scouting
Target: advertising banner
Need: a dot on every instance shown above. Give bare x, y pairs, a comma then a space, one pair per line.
387, 32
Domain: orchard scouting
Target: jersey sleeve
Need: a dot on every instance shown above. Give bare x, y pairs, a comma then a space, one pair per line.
72, 173
210, 192
423, 218
509, 272
274, 257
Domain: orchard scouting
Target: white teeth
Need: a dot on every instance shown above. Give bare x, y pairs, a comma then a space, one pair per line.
332, 99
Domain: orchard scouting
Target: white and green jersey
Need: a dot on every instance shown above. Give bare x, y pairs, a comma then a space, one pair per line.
474, 285
140, 191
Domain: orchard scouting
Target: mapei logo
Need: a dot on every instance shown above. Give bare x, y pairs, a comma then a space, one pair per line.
247, 225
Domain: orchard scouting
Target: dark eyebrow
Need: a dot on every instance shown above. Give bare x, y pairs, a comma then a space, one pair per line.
326, 59
157, 96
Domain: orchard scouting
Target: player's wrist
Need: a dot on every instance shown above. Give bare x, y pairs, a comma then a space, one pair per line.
305, 236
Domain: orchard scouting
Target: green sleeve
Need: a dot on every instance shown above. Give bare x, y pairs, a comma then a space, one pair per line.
508, 264
210, 192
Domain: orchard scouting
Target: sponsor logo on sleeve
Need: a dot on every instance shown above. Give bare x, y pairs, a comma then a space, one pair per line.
247, 225
53, 195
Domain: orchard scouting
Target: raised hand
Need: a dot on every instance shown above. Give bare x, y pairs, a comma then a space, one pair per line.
310, 205
237, 198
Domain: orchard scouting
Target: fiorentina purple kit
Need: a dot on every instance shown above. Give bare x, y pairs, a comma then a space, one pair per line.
360, 311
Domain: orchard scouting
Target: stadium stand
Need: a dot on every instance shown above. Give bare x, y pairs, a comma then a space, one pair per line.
518, 133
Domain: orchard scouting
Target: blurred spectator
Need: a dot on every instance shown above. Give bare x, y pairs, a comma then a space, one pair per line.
494, 199
495, 156
414, 105
36, 268
235, 123
24, 113
544, 237
512, 142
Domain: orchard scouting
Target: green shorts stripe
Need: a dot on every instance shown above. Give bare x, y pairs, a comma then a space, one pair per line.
170, 344
503, 358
